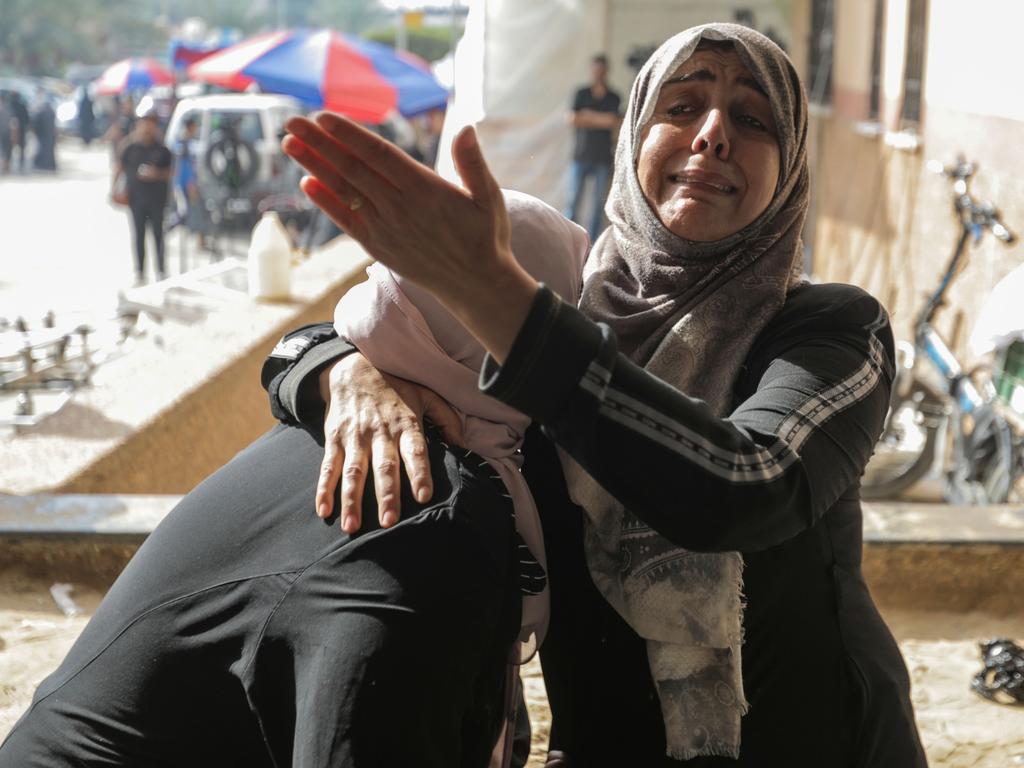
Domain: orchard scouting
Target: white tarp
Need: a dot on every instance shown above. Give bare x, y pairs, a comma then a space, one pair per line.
515, 71
520, 62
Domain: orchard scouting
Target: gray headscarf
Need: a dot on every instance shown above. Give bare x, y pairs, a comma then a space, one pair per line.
689, 313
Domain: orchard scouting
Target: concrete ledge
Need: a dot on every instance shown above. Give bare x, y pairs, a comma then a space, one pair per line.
909, 523
916, 556
186, 399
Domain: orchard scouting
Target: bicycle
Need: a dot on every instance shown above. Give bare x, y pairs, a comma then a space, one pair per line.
986, 456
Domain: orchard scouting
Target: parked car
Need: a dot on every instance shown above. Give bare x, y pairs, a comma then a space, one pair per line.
256, 120
237, 153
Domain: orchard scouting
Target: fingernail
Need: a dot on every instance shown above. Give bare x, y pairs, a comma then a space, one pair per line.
327, 118
389, 518
323, 510
422, 493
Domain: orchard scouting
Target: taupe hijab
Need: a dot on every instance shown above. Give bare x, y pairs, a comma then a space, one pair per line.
689, 312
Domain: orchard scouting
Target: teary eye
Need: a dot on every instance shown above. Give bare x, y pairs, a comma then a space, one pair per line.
753, 122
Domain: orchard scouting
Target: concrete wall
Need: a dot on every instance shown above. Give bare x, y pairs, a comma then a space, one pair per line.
211, 422
880, 219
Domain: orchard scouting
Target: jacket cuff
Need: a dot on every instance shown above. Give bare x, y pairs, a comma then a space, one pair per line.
549, 357
300, 389
290, 373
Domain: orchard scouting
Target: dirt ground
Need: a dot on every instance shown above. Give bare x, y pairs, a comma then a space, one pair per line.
959, 729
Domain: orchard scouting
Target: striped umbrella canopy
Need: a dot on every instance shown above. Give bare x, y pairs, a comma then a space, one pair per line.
324, 68
130, 75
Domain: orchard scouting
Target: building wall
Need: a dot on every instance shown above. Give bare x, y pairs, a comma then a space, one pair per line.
880, 218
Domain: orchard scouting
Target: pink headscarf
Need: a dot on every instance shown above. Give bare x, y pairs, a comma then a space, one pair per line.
403, 330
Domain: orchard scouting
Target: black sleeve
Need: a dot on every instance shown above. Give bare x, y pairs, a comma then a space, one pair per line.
165, 159
290, 374
578, 100
748, 481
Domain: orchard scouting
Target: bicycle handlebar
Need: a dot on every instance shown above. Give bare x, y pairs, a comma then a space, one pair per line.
972, 214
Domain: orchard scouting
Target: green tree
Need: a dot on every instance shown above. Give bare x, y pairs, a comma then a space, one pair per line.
430, 43
351, 16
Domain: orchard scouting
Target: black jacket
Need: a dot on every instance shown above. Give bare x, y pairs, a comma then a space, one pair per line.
778, 480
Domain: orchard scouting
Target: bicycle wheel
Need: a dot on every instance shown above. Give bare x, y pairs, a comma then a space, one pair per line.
990, 462
907, 448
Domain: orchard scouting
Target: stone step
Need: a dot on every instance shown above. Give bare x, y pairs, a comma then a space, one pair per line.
916, 556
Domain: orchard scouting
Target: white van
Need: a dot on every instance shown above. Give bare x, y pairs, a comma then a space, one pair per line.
257, 119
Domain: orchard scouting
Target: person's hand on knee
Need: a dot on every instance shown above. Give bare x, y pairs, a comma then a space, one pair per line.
375, 420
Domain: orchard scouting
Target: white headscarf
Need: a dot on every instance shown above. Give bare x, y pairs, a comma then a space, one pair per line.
403, 330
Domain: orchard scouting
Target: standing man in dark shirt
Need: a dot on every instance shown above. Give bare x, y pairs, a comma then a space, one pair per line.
595, 115
146, 165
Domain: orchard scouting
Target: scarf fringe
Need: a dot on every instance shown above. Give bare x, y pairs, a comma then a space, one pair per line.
731, 751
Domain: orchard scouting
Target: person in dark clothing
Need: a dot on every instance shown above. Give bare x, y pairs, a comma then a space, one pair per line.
19, 130
6, 131
247, 633
272, 641
146, 163
595, 115
44, 126
86, 117
714, 414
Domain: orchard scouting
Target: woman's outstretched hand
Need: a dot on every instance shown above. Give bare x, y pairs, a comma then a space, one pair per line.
454, 242
375, 420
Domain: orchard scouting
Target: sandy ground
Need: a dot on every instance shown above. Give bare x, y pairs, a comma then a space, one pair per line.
959, 729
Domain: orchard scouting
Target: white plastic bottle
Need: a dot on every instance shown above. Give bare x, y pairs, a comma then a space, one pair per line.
270, 253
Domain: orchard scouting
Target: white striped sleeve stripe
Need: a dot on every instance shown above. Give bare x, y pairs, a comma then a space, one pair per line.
764, 464
758, 459
677, 443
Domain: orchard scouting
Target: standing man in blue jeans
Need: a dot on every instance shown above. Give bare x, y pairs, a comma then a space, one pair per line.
595, 115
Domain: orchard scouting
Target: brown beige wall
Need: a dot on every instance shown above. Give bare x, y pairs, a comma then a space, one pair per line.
881, 220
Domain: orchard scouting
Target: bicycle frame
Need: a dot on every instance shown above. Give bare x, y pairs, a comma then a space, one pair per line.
984, 452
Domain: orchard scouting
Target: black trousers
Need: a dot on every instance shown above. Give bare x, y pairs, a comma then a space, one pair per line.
148, 210
247, 632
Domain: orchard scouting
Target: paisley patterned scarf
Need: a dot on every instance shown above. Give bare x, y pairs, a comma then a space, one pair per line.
689, 313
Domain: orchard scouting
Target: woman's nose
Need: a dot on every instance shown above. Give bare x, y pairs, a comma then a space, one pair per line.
712, 136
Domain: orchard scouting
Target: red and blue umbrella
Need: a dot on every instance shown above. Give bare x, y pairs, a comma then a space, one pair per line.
130, 75
323, 68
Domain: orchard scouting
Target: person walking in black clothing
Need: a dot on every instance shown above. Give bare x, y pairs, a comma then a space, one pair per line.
86, 117
19, 131
44, 126
246, 632
714, 411
146, 164
595, 115
6, 131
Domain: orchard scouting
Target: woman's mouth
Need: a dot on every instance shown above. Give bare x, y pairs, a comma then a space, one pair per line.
714, 184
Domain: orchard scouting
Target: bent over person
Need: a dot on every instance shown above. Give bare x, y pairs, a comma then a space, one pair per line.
246, 632
713, 414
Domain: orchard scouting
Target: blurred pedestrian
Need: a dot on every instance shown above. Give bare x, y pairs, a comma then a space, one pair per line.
595, 115
44, 126
188, 203
145, 163
6, 131
19, 133
121, 126
86, 117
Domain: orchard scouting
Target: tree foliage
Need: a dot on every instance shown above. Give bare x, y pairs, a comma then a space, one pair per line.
41, 37
430, 43
351, 16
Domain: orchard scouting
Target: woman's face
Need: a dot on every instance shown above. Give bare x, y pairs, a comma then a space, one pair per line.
709, 157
